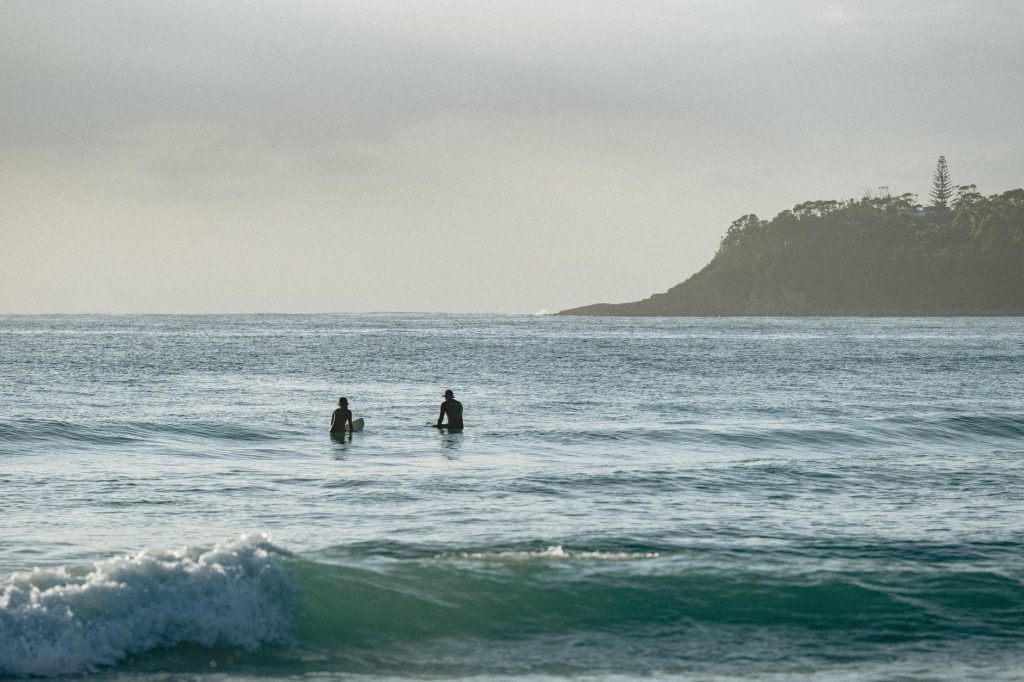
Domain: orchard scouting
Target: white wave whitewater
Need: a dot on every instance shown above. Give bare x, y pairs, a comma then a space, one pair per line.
722, 499
65, 621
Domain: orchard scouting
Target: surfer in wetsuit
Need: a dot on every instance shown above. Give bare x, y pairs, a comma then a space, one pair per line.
341, 415
452, 408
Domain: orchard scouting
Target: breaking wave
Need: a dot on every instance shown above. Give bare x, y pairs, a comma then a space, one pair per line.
512, 610
74, 620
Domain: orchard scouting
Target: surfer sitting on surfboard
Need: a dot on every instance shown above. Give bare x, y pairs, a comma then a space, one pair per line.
452, 408
341, 415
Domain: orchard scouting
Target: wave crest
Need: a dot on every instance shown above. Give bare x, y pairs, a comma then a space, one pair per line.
553, 553
66, 621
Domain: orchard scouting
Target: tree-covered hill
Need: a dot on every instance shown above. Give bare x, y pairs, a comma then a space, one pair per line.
873, 256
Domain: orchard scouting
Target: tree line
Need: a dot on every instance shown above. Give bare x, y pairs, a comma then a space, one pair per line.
959, 218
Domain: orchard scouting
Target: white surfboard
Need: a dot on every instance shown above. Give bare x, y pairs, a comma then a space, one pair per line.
357, 424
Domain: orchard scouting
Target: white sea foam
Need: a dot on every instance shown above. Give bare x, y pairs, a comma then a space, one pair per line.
556, 552
69, 620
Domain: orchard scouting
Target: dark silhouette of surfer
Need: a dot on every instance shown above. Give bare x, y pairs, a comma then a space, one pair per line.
341, 415
453, 409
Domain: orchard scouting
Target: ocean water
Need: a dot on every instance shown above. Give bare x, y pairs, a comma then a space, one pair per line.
705, 499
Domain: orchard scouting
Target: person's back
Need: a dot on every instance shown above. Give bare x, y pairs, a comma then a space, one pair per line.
341, 416
451, 408
454, 409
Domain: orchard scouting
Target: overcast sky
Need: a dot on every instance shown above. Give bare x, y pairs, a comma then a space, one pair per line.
463, 156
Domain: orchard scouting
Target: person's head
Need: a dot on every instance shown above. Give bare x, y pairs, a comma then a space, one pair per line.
449, 394
343, 402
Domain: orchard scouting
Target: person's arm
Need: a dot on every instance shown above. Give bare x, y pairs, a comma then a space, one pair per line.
349, 415
334, 416
440, 417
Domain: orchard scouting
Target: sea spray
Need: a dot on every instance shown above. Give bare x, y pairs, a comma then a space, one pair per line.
74, 620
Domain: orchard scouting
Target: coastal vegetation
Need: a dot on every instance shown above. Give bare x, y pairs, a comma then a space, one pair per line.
882, 254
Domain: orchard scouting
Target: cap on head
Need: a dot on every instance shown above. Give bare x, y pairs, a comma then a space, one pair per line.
449, 393
343, 401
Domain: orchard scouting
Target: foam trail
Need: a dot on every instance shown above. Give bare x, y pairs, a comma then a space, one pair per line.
67, 621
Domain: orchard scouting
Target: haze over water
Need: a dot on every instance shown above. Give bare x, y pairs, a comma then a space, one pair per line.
699, 498
458, 156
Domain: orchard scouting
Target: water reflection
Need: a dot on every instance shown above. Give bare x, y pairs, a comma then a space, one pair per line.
451, 442
341, 442
342, 438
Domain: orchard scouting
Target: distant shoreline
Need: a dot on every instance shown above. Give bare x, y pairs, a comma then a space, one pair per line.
883, 257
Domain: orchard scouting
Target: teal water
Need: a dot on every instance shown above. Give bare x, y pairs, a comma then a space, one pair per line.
713, 499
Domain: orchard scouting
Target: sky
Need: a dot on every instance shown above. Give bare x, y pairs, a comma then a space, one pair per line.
465, 156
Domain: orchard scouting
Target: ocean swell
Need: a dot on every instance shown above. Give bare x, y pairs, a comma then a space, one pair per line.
505, 610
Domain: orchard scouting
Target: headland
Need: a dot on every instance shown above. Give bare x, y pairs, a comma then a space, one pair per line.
876, 256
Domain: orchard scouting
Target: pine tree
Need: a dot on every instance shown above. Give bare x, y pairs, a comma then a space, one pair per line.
942, 187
